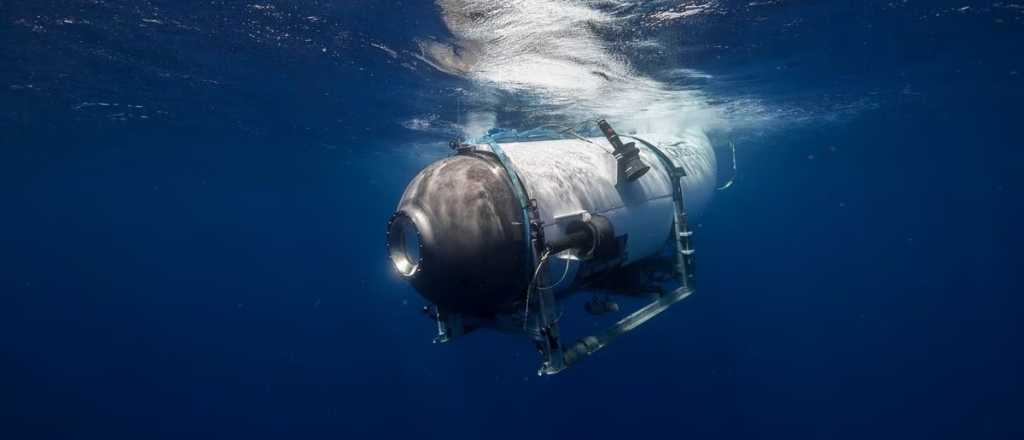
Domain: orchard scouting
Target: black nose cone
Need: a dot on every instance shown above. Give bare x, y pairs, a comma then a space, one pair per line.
458, 236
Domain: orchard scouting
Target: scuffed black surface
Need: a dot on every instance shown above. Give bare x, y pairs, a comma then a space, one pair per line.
474, 257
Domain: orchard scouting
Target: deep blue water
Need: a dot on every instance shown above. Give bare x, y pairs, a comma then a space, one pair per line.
195, 195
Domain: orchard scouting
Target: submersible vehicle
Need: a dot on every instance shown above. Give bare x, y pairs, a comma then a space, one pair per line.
501, 233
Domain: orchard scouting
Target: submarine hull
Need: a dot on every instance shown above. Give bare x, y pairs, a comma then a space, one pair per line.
458, 233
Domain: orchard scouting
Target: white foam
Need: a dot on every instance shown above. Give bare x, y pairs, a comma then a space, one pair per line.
549, 53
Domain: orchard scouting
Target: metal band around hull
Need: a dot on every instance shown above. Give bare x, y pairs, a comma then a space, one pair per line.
524, 202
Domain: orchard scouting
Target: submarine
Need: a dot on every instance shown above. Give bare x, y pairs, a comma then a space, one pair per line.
501, 233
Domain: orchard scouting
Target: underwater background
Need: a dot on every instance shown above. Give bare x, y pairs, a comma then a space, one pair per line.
195, 194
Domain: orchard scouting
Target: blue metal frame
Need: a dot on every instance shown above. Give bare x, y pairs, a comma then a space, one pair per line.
524, 201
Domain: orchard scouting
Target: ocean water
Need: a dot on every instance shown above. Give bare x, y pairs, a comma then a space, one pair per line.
195, 193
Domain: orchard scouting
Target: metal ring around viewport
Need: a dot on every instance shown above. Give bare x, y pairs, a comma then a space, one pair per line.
405, 246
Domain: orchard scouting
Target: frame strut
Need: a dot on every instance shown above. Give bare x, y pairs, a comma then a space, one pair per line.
684, 268
547, 335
